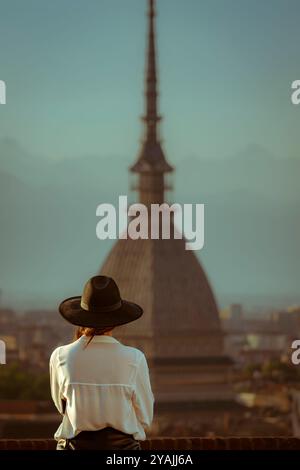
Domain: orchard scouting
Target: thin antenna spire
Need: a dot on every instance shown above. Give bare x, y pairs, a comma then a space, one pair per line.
151, 159
151, 117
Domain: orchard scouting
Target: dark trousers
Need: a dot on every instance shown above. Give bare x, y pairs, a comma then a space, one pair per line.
104, 439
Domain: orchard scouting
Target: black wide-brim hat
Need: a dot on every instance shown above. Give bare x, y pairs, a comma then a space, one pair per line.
99, 306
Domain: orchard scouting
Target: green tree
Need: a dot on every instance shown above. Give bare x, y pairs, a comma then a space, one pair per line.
19, 384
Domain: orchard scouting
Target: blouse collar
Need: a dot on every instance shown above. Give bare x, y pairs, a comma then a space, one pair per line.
102, 339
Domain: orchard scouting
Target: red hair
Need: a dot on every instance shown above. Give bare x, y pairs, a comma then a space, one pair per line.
91, 332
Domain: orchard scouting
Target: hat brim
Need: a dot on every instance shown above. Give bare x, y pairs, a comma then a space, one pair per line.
71, 311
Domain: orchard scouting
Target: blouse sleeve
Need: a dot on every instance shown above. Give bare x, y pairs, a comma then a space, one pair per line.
54, 382
143, 398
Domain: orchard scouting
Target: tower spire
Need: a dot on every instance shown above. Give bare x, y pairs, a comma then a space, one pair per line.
151, 164
151, 117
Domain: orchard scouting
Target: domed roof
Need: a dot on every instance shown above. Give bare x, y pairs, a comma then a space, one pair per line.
169, 283
180, 312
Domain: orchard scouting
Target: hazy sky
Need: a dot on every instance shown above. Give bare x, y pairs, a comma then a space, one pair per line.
74, 71
74, 74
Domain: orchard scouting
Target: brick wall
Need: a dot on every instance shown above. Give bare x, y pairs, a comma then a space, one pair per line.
182, 443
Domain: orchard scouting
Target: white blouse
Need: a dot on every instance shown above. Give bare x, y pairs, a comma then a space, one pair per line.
104, 384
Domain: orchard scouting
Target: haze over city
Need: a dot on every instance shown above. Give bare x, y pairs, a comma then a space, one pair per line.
71, 128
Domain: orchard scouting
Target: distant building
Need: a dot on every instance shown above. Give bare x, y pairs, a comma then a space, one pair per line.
39, 333
180, 331
257, 340
8, 320
31, 337
11, 348
8, 334
236, 313
288, 321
